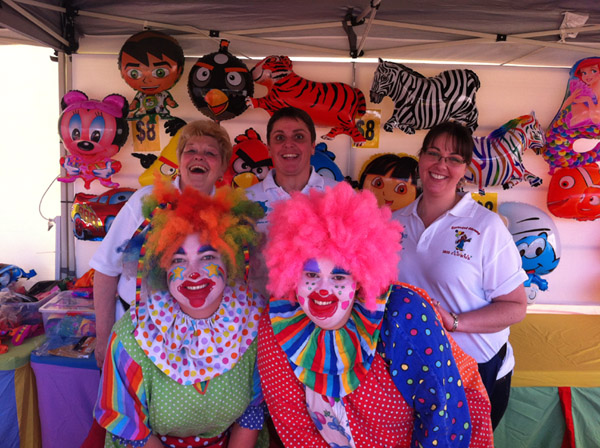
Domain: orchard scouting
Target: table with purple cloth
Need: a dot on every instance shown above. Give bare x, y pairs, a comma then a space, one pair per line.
67, 389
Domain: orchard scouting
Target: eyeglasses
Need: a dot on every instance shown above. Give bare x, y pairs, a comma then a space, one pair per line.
452, 160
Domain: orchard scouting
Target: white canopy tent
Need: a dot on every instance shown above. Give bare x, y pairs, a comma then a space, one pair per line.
465, 32
495, 32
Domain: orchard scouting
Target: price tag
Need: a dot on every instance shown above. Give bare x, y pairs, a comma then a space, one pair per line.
488, 200
146, 135
369, 126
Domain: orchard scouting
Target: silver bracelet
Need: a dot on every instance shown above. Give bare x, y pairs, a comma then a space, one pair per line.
455, 324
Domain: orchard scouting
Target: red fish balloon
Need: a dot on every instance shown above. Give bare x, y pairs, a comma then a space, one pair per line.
575, 193
92, 132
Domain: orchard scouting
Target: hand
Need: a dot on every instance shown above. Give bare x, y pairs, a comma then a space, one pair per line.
446, 318
70, 168
105, 172
249, 102
100, 353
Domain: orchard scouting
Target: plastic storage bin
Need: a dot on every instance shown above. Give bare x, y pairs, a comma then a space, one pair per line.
20, 309
69, 314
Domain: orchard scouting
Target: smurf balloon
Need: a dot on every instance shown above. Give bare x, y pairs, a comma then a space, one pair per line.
328, 103
420, 102
151, 62
498, 158
537, 240
577, 118
575, 193
323, 161
92, 132
219, 83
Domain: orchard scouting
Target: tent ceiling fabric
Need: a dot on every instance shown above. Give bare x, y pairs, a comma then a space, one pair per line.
522, 32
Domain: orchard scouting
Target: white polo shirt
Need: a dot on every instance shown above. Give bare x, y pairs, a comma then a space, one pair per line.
267, 192
463, 259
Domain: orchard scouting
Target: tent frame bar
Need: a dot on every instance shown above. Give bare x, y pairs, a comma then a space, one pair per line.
244, 35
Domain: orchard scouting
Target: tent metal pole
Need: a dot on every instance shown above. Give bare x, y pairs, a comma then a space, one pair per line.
373, 10
277, 29
487, 40
66, 255
37, 22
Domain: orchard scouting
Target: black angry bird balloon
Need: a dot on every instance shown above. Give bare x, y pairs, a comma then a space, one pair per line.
219, 83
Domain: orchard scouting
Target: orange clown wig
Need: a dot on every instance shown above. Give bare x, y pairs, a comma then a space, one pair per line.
340, 224
226, 221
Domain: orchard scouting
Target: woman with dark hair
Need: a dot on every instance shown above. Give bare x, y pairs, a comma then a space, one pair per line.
291, 139
465, 258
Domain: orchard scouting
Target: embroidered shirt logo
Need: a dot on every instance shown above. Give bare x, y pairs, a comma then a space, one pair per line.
461, 240
462, 236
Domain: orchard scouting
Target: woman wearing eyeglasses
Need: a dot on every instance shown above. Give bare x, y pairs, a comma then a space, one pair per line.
464, 257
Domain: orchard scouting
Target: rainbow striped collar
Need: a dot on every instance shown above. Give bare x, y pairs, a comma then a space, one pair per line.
331, 362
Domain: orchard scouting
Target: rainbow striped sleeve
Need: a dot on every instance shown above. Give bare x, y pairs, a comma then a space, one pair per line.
122, 407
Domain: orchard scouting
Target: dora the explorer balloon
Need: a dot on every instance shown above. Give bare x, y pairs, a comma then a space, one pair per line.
578, 118
151, 63
92, 132
393, 179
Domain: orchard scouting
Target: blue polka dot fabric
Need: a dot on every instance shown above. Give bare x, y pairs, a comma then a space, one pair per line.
419, 356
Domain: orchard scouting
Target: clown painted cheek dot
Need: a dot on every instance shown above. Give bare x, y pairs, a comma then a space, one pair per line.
302, 300
346, 304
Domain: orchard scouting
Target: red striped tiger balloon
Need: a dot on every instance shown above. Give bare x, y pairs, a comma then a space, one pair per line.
328, 103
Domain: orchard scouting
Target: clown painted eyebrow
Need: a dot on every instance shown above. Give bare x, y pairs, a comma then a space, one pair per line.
312, 265
206, 248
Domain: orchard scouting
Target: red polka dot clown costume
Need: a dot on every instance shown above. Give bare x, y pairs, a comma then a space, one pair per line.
181, 366
345, 359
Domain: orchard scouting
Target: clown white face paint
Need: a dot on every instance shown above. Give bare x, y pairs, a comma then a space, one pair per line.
326, 293
197, 278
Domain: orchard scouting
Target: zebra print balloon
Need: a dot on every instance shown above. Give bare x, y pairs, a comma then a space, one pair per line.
498, 158
420, 102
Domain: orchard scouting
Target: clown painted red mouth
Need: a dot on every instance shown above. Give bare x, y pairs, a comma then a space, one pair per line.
196, 292
322, 304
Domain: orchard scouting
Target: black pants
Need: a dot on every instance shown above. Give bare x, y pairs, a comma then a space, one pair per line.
498, 389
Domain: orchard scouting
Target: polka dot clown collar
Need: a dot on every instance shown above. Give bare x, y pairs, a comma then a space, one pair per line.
331, 362
192, 350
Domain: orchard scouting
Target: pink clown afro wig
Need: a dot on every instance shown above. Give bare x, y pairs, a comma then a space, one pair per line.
340, 224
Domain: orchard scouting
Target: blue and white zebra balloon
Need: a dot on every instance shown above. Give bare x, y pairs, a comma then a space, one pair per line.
420, 102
